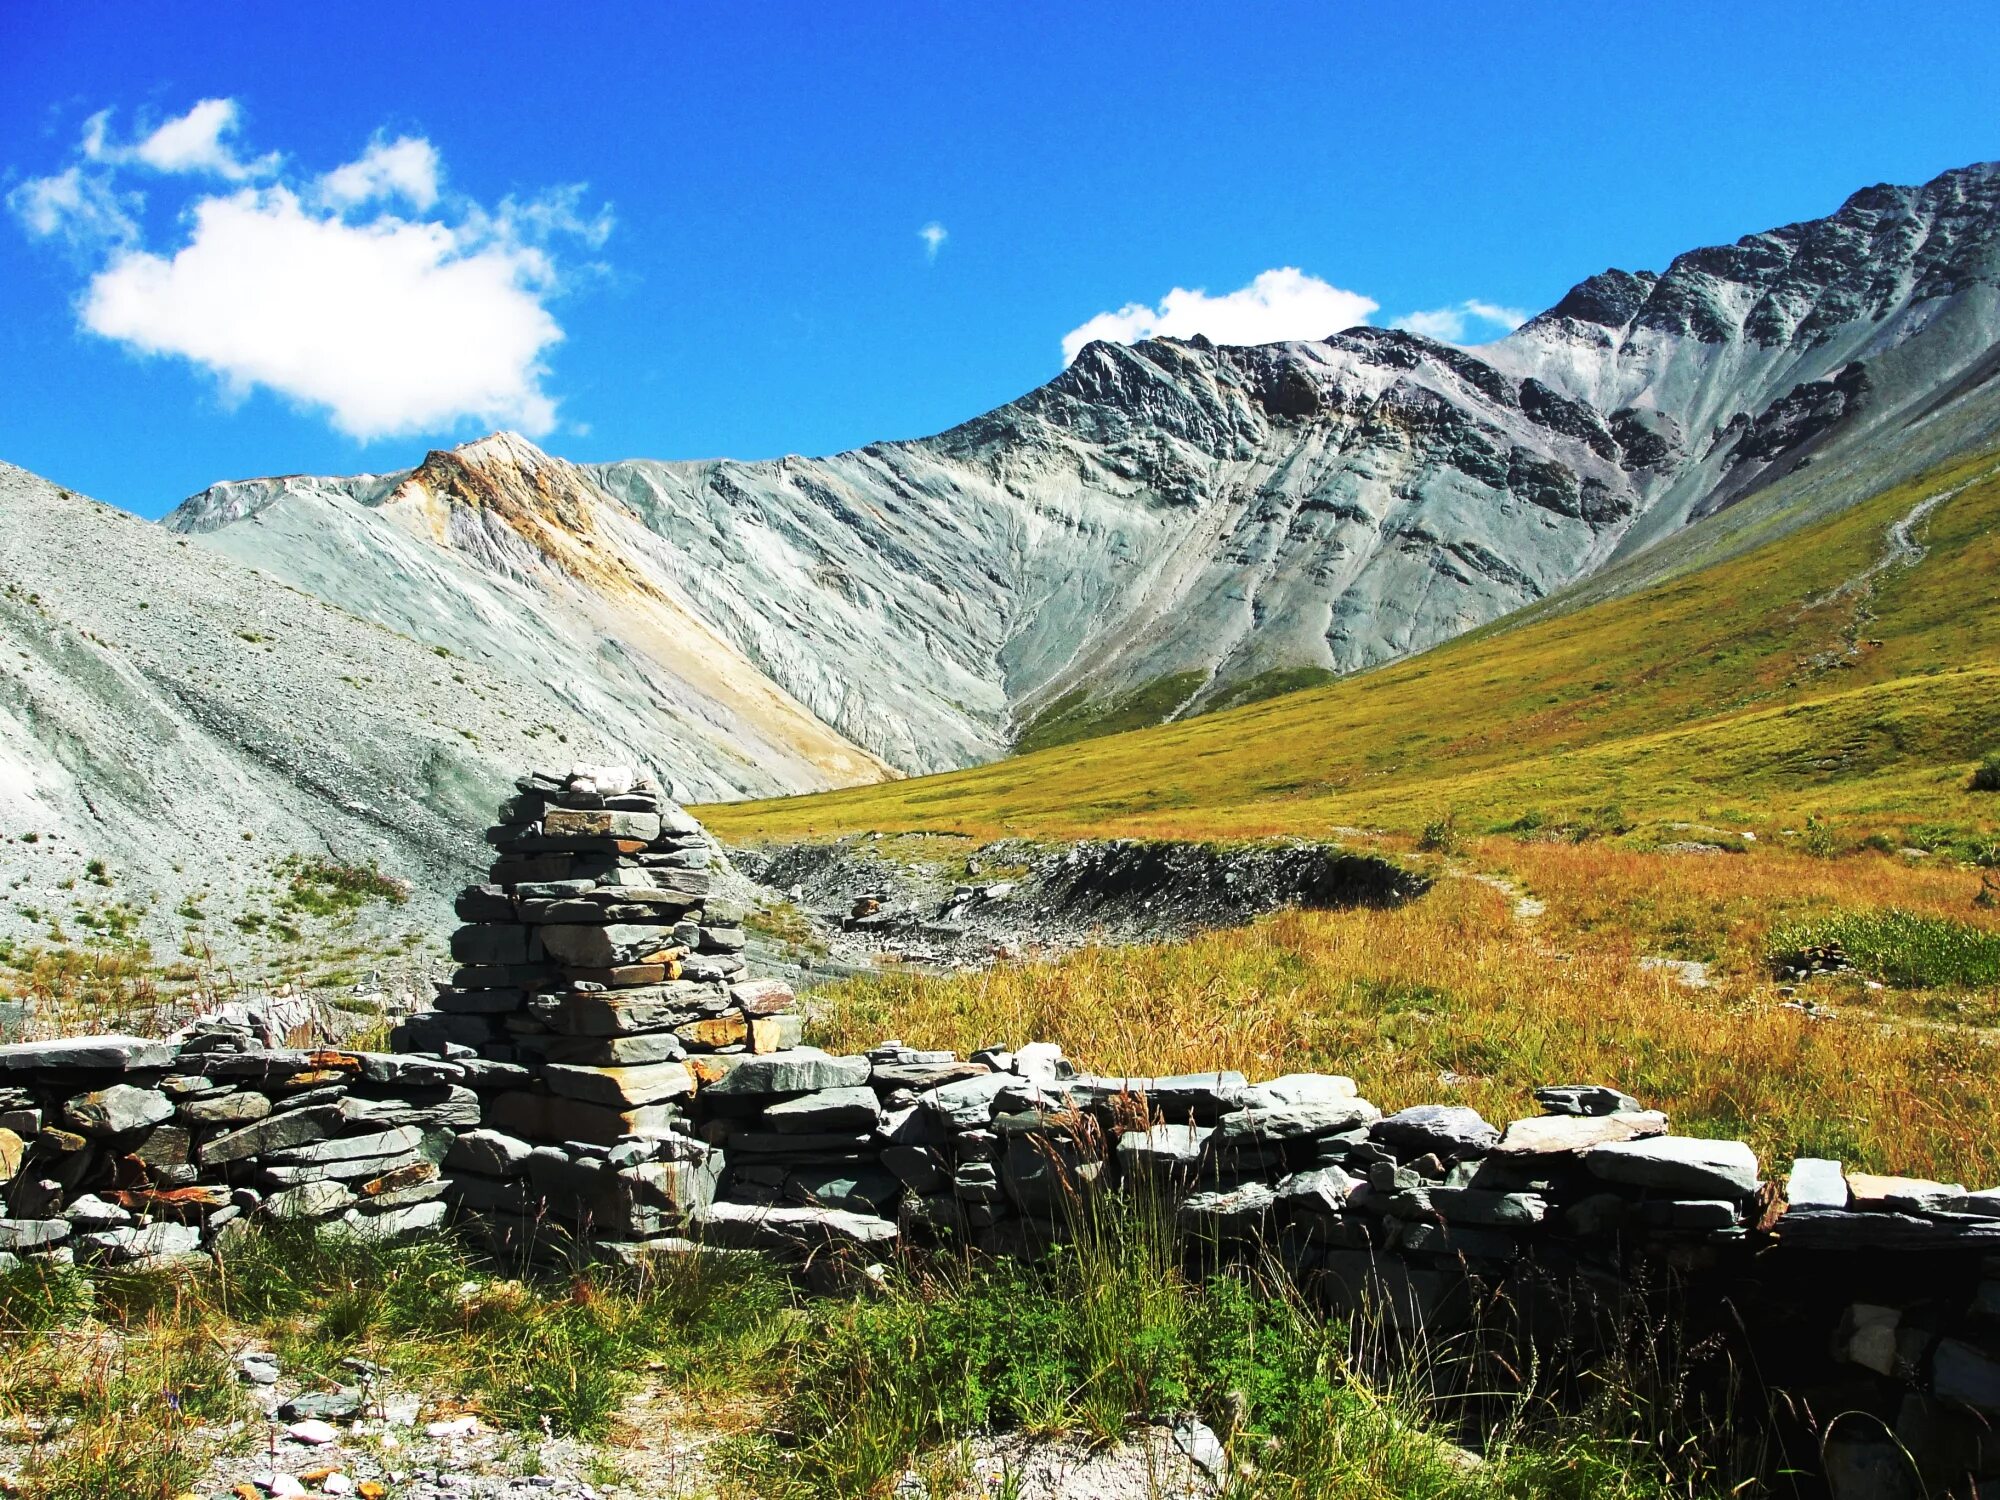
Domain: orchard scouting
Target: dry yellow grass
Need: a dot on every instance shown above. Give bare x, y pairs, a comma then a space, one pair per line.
1454, 998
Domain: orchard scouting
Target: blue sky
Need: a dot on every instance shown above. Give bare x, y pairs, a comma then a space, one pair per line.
258, 239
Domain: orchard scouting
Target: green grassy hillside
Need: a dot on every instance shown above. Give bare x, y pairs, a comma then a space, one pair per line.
1850, 672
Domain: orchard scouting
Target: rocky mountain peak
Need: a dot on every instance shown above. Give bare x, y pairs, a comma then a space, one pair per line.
1179, 524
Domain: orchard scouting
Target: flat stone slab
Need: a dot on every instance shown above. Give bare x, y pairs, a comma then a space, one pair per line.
1298, 1088
921, 1076
311, 1200
762, 997
603, 947
790, 1230
611, 1051
109, 1054
1685, 1165
1162, 1148
1177, 1097
549, 1117
243, 1108
1322, 1190
274, 1133
491, 1153
1905, 1195
802, 1070
1446, 1129
828, 1110
1469, 1205
594, 823
1549, 1135
381, 1143
621, 1087
1966, 1374
116, 1110
1237, 1214
32, 1234
1291, 1122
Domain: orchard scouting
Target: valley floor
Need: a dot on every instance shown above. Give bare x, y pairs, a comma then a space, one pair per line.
1530, 962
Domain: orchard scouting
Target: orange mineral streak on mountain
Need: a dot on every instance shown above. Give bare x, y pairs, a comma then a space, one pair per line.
502, 501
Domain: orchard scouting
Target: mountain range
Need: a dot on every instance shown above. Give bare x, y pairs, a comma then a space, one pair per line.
1163, 529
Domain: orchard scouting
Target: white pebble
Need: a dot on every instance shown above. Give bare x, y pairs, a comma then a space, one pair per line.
313, 1431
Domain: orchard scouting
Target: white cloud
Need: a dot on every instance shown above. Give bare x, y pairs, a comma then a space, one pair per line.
390, 326
933, 235
405, 168
81, 207
322, 289
1450, 325
1278, 305
197, 141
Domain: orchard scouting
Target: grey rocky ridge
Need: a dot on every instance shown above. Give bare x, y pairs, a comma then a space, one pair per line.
1173, 526
603, 1072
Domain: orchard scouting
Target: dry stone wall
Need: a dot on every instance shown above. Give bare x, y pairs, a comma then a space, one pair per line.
603, 1070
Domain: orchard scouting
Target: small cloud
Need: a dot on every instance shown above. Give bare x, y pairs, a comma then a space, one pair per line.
1278, 305
198, 142
933, 235
79, 206
405, 168
369, 292
1450, 325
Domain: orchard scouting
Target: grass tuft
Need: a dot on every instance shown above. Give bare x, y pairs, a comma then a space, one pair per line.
1906, 949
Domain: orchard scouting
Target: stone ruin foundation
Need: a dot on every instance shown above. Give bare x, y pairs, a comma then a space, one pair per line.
603, 1074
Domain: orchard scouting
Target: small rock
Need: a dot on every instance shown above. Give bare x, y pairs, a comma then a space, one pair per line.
322, 1406
313, 1431
1199, 1442
1816, 1182
1584, 1099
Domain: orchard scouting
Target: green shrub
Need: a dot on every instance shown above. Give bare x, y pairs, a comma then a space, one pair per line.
324, 887
1986, 776
1440, 835
1818, 839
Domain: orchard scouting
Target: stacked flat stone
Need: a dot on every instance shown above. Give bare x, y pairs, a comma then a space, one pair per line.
597, 956
124, 1150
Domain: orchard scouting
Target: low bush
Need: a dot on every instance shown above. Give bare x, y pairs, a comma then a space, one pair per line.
1440, 835
1986, 775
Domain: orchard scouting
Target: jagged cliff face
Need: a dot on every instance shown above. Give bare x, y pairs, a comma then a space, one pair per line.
1172, 519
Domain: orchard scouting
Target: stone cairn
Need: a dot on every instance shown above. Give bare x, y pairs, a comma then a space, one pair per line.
598, 957
603, 1072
